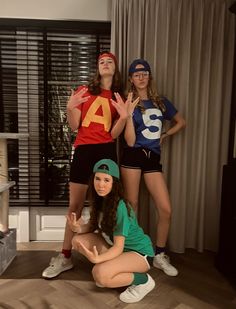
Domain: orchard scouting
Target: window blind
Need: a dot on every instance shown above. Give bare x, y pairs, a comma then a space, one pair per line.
39, 63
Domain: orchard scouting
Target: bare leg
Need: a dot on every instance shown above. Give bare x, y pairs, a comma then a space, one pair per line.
119, 271
156, 186
62, 262
116, 272
89, 240
131, 180
77, 198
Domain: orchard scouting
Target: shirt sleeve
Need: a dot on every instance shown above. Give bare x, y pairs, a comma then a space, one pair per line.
123, 220
170, 109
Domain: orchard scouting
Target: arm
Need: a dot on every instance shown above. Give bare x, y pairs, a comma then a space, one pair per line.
73, 113
73, 118
130, 135
125, 119
110, 254
121, 108
118, 127
179, 124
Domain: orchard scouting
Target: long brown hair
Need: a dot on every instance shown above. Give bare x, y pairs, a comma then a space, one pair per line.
94, 85
107, 205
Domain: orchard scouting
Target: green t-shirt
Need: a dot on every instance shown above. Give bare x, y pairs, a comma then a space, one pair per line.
127, 226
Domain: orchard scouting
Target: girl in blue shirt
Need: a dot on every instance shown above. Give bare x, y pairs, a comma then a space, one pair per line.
144, 135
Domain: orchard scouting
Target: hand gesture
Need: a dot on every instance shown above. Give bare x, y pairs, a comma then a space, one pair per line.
131, 104
120, 106
77, 99
91, 255
75, 225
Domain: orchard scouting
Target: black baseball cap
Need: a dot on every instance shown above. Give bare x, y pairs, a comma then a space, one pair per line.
146, 66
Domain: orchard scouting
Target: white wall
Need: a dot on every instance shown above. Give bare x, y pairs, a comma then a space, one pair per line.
95, 10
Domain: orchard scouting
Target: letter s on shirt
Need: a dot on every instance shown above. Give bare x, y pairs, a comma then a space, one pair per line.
150, 122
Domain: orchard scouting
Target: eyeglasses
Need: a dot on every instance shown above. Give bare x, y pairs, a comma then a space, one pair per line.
144, 74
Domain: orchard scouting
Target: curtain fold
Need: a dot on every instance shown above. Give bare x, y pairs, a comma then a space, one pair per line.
190, 47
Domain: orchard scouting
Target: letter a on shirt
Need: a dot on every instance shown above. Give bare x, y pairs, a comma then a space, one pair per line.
98, 112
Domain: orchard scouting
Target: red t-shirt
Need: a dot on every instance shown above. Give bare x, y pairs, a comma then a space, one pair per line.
97, 117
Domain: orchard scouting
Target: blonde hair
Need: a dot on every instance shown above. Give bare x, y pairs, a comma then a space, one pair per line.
151, 93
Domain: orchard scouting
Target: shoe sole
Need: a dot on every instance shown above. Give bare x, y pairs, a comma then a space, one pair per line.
57, 274
159, 267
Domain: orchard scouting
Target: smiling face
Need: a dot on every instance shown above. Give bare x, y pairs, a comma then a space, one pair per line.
102, 184
140, 79
106, 66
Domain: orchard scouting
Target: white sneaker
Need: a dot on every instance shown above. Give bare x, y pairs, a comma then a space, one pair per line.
57, 265
135, 293
162, 261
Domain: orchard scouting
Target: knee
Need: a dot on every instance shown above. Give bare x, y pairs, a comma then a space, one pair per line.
165, 213
134, 204
100, 275
75, 242
168, 213
133, 200
97, 273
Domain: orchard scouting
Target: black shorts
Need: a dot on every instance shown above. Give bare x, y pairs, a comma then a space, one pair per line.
85, 157
141, 158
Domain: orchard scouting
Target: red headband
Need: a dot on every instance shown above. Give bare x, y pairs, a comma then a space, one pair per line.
110, 55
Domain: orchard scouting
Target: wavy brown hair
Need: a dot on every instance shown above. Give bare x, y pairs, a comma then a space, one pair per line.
107, 205
94, 85
151, 93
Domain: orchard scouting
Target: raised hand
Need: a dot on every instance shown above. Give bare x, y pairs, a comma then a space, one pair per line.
75, 225
120, 106
92, 255
77, 98
131, 104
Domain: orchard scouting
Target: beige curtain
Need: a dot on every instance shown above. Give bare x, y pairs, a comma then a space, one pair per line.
190, 46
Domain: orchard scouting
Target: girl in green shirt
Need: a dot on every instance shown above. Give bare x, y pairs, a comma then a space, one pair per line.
111, 238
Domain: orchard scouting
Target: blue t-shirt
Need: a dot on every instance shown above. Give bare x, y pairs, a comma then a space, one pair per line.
148, 124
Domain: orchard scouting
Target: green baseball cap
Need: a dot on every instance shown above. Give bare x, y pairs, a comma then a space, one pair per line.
107, 166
